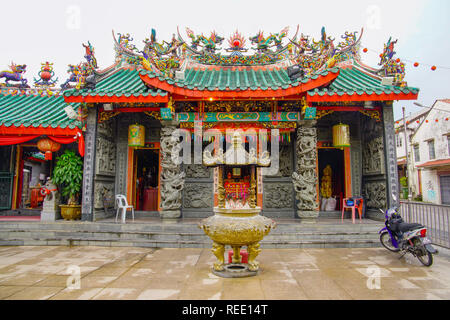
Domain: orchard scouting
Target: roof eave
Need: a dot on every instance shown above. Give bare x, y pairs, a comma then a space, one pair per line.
258, 93
363, 97
115, 99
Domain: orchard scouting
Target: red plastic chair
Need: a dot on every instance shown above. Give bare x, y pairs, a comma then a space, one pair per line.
353, 207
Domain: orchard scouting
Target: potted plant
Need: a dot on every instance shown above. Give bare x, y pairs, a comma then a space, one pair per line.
404, 183
68, 175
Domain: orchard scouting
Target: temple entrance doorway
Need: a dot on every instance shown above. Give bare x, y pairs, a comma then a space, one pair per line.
332, 176
146, 179
31, 173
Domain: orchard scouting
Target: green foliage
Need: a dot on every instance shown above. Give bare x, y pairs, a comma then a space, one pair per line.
404, 181
68, 174
418, 198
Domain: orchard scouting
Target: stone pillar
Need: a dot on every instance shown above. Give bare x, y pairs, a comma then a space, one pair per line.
90, 137
391, 155
172, 176
305, 179
121, 159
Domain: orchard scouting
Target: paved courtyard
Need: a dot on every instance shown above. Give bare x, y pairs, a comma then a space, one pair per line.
139, 273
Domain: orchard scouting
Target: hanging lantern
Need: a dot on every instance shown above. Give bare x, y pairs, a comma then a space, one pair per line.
136, 135
48, 146
341, 135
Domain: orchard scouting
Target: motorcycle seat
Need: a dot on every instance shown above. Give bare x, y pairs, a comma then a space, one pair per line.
404, 227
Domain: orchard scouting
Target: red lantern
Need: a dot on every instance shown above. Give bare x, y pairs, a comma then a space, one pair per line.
416, 64
398, 60
48, 146
433, 68
365, 50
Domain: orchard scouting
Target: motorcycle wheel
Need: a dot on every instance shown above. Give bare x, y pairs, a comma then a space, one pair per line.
426, 258
385, 240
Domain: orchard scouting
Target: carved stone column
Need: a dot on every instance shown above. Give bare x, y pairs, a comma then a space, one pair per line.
305, 178
90, 137
172, 177
391, 155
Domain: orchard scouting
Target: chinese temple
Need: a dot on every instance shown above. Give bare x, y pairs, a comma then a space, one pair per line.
315, 101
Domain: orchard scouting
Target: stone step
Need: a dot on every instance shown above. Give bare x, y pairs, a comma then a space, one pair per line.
177, 236
187, 227
186, 244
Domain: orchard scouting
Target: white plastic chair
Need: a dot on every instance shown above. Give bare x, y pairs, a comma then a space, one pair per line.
122, 204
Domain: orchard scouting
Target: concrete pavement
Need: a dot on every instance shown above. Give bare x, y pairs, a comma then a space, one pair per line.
86, 272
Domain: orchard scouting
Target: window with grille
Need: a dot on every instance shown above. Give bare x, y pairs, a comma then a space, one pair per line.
416, 153
431, 151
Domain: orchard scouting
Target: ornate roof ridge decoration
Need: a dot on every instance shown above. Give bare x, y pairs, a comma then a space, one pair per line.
83, 74
391, 67
45, 74
15, 74
168, 58
42, 92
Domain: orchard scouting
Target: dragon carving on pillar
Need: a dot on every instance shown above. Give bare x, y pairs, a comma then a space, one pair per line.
305, 179
172, 178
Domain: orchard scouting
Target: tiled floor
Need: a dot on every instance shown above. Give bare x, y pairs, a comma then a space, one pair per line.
139, 273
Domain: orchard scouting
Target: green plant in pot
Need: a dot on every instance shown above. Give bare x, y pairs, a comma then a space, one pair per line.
404, 183
68, 175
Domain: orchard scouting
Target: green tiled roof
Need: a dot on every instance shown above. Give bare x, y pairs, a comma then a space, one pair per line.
35, 111
123, 82
235, 79
353, 81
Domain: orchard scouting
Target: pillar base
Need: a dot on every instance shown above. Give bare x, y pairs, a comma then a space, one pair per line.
50, 215
308, 216
170, 214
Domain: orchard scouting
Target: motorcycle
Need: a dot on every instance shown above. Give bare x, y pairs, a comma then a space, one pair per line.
399, 236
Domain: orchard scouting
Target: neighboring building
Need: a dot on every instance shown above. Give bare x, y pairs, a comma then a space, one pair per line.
303, 88
402, 143
430, 148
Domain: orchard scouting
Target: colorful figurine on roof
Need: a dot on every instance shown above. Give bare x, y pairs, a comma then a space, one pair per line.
209, 45
263, 44
391, 67
90, 55
83, 74
45, 76
125, 41
15, 74
161, 58
237, 45
316, 56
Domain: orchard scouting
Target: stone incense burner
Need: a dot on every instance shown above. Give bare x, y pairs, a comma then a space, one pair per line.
237, 221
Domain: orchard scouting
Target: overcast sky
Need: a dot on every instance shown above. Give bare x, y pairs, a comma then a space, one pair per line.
45, 30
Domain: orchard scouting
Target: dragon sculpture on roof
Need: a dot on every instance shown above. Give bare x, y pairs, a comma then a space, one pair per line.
83, 74
15, 74
316, 56
391, 67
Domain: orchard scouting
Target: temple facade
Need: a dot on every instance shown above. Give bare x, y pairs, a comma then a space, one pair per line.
324, 116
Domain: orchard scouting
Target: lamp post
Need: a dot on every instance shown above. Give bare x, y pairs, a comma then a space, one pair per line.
406, 154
